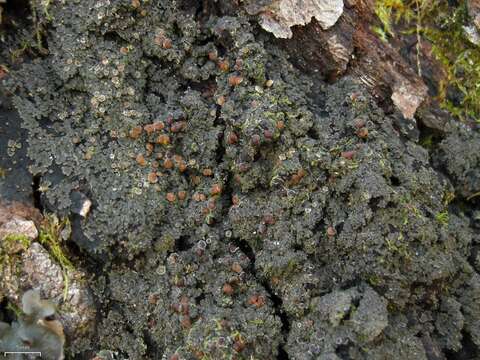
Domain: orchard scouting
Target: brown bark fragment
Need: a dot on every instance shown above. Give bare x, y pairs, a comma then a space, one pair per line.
351, 48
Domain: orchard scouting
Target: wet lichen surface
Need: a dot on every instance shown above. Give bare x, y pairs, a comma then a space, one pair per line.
241, 210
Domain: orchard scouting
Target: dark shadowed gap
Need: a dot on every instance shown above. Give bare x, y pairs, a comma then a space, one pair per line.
278, 307
247, 250
182, 244
429, 138
395, 181
276, 300
153, 351
16, 9
6, 315
469, 350
37, 201
342, 351
373, 203
282, 354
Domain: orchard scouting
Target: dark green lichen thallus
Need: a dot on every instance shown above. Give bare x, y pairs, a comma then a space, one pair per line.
239, 208
35, 333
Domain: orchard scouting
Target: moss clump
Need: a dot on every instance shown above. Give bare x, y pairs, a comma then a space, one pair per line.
15, 242
10, 245
53, 231
442, 26
442, 218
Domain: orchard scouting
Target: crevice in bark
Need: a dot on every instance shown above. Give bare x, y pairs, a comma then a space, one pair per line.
37, 201
468, 351
276, 300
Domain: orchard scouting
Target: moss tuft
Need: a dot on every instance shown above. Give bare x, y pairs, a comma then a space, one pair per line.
442, 25
10, 245
14, 241
52, 234
442, 218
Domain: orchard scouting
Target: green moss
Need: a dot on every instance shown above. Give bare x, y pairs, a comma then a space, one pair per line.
441, 25
10, 245
14, 240
408, 210
427, 142
442, 218
33, 42
51, 236
399, 246
389, 11
282, 270
374, 280
257, 322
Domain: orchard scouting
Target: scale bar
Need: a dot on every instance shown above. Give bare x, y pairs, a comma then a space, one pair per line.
22, 352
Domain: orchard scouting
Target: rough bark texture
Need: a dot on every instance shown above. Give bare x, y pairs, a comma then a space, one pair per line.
351, 47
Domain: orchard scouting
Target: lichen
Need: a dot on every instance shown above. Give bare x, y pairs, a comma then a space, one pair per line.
231, 194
